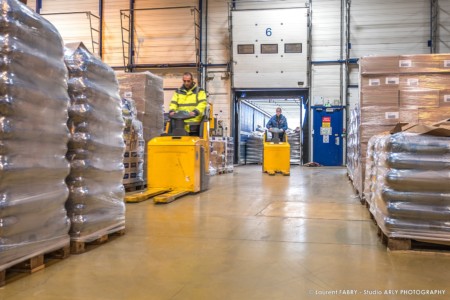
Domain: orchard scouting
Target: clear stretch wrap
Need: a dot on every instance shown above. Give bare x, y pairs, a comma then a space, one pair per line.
294, 142
96, 147
410, 185
353, 144
33, 135
254, 148
133, 135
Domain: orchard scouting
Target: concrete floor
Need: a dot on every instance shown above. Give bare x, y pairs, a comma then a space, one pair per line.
250, 236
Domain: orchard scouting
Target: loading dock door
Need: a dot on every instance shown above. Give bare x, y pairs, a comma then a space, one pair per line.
270, 48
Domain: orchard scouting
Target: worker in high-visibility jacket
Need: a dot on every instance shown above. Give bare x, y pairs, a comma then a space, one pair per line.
191, 98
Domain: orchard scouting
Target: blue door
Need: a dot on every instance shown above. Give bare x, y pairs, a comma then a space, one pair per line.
327, 135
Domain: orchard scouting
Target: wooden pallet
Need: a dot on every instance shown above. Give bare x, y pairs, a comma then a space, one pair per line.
33, 264
132, 187
78, 247
404, 244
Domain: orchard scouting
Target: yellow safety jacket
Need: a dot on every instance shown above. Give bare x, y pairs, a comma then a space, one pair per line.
189, 100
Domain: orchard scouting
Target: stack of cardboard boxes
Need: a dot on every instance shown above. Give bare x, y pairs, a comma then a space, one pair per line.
222, 155
406, 88
146, 89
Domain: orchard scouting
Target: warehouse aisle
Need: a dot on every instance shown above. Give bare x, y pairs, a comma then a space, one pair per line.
250, 236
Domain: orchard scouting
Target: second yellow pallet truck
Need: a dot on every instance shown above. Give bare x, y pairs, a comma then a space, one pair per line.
178, 164
276, 153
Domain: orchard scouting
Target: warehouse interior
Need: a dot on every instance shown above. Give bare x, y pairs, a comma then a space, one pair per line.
143, 155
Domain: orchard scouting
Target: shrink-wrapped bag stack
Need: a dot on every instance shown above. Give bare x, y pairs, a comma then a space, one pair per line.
33, 135
408, 184
95, 205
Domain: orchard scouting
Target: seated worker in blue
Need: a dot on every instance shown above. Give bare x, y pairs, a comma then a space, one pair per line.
278, 121
189, 97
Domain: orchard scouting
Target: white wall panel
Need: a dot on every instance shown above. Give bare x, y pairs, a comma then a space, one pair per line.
326, 46
166, 36
218, 37
444, 27
325, 83
268, 4
73, 22
389, 27
326, 28
112, 35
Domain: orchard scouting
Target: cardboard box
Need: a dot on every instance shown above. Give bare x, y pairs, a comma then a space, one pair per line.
380, 115
424, 81
424, 63
380, 98
416, 98
430, 116
409, 115
380, 82
379, 65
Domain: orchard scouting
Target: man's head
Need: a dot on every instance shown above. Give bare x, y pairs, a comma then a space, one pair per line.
278, 111
188, 80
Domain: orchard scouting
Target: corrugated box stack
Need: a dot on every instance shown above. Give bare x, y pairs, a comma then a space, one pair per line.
33, 136
222, 155
407, 88
133, 135
146, 89
95, 205
218, 155
409, 183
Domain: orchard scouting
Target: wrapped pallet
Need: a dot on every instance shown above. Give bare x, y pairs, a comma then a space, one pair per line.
254, 148
133, 135
353, 143
96, 147
294, 142
33, 136
407, 89
146, 89
410, 183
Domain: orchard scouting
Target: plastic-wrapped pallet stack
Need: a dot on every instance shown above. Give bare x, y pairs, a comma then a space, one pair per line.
33, 136
410, 184
404, 88
217, 156
134, 140
146, 89
352, 147
229, 160
254, 148
96, 147
294, 142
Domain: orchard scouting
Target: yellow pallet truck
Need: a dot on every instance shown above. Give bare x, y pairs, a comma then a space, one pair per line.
276, 153
178, 164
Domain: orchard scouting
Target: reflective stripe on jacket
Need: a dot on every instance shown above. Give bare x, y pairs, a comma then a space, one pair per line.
189, 100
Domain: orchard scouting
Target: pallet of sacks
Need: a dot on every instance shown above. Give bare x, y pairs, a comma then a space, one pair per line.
408, 184
96, 148
33, 139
